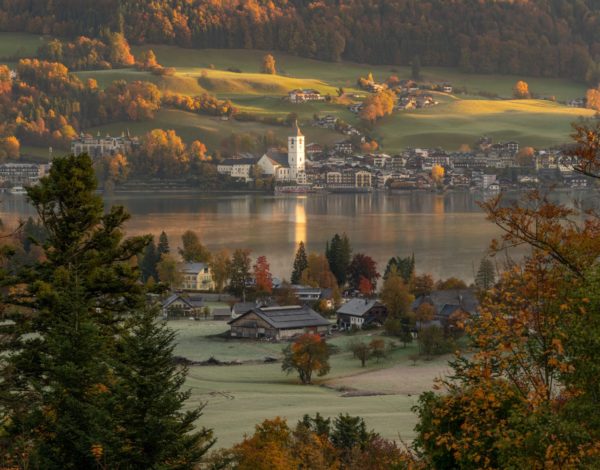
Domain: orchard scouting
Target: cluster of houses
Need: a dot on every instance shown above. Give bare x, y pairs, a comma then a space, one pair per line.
264, 319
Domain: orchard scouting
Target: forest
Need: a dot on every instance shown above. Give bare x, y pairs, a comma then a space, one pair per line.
547, 38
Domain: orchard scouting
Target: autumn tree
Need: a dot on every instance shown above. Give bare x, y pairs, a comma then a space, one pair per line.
423, 285
318, 273
193, 251
268, 65
397, 298
169, 270
10, 148
450, 284
262, 276
240, 274
592, 98
220, 267
362, 266
521, 90
377, 106
361, 351
306, 355
161, 153
437, 174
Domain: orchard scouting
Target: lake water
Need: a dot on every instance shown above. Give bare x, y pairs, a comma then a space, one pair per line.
447, 233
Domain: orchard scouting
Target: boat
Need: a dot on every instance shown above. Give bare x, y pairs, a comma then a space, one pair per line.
18, 190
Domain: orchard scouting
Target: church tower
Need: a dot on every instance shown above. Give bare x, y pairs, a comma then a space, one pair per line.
296, 158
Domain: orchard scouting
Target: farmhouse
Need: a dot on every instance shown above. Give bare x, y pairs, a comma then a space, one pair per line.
361, 312
307, 94
449, 303
278, 322
179, 305
196, 276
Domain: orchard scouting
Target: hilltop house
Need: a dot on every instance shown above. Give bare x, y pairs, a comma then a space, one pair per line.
290, 167
197, 276
278, 322
307, 94
361, 312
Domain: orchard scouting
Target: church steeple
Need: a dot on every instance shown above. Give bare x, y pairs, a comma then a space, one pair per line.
296, 157
297, 131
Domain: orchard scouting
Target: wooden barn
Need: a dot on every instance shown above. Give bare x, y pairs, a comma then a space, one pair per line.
278, 322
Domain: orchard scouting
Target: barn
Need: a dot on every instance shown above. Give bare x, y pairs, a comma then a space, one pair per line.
278, 322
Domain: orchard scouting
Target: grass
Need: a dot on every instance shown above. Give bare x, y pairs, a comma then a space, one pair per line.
17, 45
530, 122
239, 397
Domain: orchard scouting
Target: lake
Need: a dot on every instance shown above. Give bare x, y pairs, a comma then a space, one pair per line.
447, 233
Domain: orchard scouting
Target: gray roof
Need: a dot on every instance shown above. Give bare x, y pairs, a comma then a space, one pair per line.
278, 157
289, 317
221, 312
245, 160
357, 307
446, 302
193, 268
192, 301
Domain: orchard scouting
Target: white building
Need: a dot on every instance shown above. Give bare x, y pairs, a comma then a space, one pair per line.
287, 168
103, 146
25, 174
237, 167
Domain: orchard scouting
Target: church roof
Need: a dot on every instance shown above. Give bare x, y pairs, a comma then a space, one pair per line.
297, 131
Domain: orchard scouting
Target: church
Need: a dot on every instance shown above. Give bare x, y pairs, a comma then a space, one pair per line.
288, 167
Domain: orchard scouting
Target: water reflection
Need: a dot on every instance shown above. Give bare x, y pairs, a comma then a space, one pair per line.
447, 233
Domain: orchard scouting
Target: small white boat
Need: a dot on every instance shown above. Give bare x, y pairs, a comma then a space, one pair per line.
18, 190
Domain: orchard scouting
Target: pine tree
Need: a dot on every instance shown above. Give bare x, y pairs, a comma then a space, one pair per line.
155, 428
486, 275
149, 261
163, 244
339, 254
300, 264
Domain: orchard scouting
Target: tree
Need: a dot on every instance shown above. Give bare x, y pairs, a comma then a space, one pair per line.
149, 261
300, 264
432, 341
338, 253
396, 296
450, 284
287, 295
268, 65
163, 244
377, 346
318, 273
169, 271
154, 424
365, 287
423, 285
362, 266
592, 98
521, 90
193, 251
486, 275
308, 354
220, 266
262, 276
10, 148
437, 174
405, 267
416, 68
377, 106
360, 351
239, 272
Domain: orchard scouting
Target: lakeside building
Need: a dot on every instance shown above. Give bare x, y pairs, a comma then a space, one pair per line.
98, 146
24, 174
290, 167
239, 167
197, 276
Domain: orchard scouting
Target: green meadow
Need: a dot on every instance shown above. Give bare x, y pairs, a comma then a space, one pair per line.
239, 396
458, 119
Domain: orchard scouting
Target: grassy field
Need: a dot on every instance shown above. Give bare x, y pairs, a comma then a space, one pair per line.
459, 119
14, 45
238, 397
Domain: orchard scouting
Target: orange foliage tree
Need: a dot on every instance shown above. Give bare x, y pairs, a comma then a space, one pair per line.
308, 354
521, 90
262, 276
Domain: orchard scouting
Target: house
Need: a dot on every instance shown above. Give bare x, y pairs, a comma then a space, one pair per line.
221, 314
101, 147
290, 167
361, 312
344, 146
447, 88
239, 167
179, 305
196, 276
314, 149
447, 303
307, 94
278, 322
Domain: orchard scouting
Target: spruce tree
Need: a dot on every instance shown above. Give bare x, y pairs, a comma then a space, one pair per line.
486, 275
155, 428
149, 261
339, 255
300, 264
163, 244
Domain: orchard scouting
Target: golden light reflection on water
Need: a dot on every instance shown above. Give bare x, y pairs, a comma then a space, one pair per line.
300, 229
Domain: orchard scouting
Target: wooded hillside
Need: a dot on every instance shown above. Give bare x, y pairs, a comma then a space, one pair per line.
530, 37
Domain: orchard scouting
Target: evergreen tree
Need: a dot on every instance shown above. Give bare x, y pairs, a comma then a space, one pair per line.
300, 264
149, 261
156, 429
405, 267
339, 254
486, 274
239, 272
163, 244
